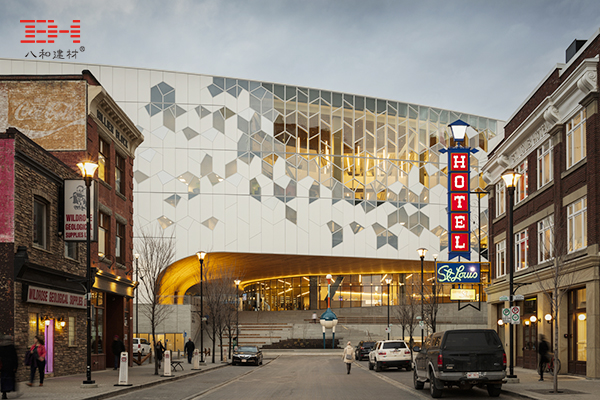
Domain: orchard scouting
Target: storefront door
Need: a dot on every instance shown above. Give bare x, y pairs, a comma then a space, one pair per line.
530, 333
577, 332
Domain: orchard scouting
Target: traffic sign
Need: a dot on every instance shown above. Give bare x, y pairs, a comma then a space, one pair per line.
421, 324
517, 297
503, 298
515, 315
506, 315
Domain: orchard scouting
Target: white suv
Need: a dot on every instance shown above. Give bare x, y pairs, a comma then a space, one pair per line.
390, 353
141, 345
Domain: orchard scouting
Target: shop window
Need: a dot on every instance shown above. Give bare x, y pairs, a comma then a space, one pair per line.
72, 331
577, 224
500, 197
546, 239
500, 258
119, 174
40, 223
103, 233
576, 146
544, 164
97, 326
521, 190
34, 326
521, 247
120, 243
103, 160
71, 250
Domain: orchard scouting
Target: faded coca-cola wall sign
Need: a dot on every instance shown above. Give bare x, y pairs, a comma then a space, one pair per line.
51, 113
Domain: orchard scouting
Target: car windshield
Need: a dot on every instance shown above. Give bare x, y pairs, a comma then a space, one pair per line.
368, 344
394, 345
247, 349
466, 340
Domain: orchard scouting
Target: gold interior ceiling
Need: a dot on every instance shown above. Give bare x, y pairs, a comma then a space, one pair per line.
183, 274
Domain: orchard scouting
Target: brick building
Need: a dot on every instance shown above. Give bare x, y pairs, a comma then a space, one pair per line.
552, 140
65, 119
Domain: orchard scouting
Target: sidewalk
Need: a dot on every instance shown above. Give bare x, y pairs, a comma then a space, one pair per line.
70, 387
571, 386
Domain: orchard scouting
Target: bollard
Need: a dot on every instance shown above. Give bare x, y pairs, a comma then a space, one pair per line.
124, 370
167, 363
224, 358
196, 360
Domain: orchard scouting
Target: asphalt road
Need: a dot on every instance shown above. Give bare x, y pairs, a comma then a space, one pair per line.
296, 377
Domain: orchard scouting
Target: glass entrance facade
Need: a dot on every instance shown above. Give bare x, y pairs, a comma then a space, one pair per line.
310, 292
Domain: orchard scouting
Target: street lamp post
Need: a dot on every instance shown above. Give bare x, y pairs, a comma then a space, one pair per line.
87, 170
388, 281
237, 309
137, 299
510, 178
435, 289
201, 255
422, 251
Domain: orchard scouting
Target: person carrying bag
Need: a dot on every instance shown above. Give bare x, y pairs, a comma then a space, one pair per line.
38, 360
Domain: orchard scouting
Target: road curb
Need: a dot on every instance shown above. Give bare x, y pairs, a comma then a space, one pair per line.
146, 385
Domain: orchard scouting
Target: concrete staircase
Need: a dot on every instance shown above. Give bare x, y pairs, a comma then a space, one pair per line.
260, 334
354, 324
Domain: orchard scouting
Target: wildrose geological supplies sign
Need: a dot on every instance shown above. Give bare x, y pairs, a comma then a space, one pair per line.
75, 211
55, 298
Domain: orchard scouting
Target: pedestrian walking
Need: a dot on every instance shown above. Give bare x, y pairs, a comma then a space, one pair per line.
38, 360
160, 350
543, 349
9, 362
348, 356
314, 318
189, 349
117, 348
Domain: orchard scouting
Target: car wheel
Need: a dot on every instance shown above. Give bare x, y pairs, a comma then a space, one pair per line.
494, 390
378, 367
142, 352
370, 365
417, 383
433, 390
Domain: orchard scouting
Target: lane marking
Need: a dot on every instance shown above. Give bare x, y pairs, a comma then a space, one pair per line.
399, 385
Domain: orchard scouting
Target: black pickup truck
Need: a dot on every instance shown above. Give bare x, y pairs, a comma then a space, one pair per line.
463, 358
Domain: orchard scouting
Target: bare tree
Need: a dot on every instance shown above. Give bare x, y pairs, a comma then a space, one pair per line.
431, 304
156, 253
406, 313
556, 276
219, 296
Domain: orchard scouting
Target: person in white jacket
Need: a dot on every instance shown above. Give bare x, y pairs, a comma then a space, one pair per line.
348, 356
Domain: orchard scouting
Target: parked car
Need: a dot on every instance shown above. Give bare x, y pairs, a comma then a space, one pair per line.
363, 349
141, 345
463, 358
247, 355
390, 353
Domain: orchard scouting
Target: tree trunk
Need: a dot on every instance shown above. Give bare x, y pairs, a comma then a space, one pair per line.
555, 304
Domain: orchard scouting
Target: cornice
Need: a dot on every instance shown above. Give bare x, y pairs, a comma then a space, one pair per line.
99, 98
553, 110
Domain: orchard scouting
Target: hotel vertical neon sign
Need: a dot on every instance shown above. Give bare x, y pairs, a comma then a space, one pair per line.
459, 212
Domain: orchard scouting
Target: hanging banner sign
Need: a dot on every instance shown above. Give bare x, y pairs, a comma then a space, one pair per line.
75, 213
454, 272
459, 213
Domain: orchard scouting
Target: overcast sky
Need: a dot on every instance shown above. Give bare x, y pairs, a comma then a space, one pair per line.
475, 56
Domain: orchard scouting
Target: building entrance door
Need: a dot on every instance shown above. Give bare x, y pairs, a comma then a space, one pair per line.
530, 333
577, 332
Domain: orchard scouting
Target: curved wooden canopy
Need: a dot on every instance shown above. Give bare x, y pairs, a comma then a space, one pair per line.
185, 273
